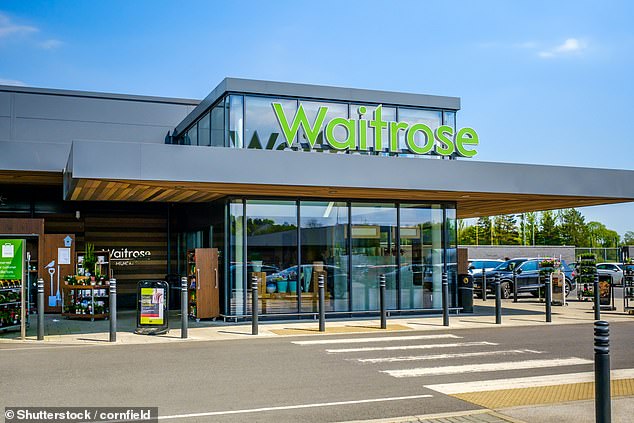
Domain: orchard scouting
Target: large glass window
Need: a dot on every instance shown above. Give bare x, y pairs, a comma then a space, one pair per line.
217, 125
421, 253
262, 130
203, 130
235, 118
324, 251
430, 118
272, 250
236, 279
388, 114
373, 253
334, 110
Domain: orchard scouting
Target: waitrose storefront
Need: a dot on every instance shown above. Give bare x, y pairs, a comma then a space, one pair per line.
287, 181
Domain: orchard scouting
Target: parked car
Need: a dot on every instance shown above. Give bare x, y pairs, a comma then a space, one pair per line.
477, 266
527, 272
613, 269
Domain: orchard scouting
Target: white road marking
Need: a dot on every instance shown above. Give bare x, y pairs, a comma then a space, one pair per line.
487, 367
525, 382
381, 339
292, 407
445, 356
412, 347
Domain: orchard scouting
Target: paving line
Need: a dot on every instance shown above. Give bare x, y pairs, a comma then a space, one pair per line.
444, 356
524, 382
376, 339
487, 367
291, 407
412, 347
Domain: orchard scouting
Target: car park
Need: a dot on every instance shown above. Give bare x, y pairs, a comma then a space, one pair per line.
477, 266
615, 270
527, 276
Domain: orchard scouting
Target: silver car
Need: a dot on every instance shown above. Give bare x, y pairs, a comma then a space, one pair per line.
613, 269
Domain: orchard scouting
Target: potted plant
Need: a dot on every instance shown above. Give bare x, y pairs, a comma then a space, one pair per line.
282, 284
256, 262
89, 259
292, 282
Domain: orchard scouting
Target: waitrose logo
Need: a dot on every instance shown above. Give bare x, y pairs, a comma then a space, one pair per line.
442, 141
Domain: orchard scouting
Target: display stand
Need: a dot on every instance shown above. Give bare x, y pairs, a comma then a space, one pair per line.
586, 273
558, 286
101, 267
86, 302
628, 287
12, 292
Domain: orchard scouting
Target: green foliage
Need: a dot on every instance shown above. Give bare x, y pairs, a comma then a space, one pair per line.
548, 233
628, 238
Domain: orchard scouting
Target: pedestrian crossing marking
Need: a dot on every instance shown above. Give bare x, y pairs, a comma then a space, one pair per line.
445, 356
487, 367
411, 347
377, 339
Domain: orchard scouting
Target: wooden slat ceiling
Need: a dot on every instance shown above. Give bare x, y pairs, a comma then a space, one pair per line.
470, 204
39, 178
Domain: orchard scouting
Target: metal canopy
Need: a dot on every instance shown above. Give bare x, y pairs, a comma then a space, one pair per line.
174, 173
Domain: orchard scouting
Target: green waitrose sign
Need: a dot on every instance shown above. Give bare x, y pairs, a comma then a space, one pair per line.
11, 263
441, 141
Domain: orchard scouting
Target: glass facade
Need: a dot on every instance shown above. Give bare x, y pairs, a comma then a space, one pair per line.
289, 244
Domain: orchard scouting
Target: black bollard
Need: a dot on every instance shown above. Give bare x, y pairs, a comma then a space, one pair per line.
514, 286
498, 301
113, 310
322, 303
597, 299
484, 285
184, 307
445, 299
382, 301
254, 305
40, 309
602, 396
549, 303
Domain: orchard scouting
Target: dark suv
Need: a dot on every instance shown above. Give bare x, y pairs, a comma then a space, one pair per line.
527, 278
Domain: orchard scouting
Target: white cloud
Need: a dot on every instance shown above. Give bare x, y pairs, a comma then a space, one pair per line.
8, 28
51, 44
570, 46
12, 82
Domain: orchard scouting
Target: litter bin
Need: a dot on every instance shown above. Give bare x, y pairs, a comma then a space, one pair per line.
151, 311
465, 293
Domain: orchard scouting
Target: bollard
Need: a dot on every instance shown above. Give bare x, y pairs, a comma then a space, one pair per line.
40, 309
549, 315
597, 299
254, 305
113, 310
322, 303
484, 285
184, 307
602, 396
445, 299
382, 300
498, 301
514, 286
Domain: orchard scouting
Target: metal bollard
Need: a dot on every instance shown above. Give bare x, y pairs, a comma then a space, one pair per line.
514, 286
597, 299
184, 307
254, 305
40, 309
113, 310
484, 285
549, 302
498, 301
322, 303
602, 396
445, 299
382, 300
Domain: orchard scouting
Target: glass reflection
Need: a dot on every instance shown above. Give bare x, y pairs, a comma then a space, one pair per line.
262, 130
203, 130
217, 125
430, 118
387, 114
235, 120
373, 253
324, 251
334, 110
236, 258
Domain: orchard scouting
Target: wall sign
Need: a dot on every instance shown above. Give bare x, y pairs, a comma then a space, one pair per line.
11, 264
420, 138
128, 257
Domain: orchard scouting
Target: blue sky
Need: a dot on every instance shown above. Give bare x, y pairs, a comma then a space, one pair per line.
542, 82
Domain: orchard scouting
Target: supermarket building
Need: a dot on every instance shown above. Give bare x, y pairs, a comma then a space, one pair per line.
286, 181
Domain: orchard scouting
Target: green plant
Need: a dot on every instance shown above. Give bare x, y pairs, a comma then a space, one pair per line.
89, 257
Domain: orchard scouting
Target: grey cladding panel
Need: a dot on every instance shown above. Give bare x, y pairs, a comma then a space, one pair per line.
5, 128
67, 131
5, 104
33, 156
98, 110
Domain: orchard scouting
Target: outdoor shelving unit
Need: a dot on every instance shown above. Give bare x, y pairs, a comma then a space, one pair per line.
10, 304
586, 273
628, 288
81, 301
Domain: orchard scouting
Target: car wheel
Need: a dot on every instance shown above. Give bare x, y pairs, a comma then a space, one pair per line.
568, 288
505, 287
535, 294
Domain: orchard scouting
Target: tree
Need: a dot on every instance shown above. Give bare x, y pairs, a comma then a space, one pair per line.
572, 230
628, 238
531, 227
600, 236
467, 235
483, 232
548, 233
506, 230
